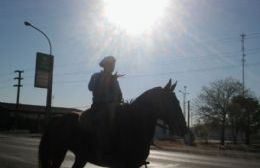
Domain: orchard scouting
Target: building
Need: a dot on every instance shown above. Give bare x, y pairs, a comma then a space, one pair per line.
27, 117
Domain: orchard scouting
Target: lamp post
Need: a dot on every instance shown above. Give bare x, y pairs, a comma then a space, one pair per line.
184, 93
29, 24
49, 89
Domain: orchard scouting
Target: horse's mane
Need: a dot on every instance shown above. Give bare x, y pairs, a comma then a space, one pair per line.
129, 105
145, 94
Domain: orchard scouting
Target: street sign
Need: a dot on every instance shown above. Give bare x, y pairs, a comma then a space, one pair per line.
43, 70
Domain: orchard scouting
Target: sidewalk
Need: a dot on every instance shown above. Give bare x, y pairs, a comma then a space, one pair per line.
206, 151
168, 146
19, 133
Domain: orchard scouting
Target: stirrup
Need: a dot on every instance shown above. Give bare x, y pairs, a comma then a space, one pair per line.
145, 163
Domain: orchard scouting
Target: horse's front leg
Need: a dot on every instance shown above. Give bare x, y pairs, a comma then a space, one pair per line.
79, 162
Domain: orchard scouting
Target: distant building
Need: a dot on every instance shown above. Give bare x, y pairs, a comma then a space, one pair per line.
28, 117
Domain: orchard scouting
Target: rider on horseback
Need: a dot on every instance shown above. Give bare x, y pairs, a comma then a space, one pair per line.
104, 85
107, 96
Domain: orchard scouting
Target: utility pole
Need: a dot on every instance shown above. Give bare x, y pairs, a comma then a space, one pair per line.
188, 114
184, 93
243, 83
243, 61
18, 85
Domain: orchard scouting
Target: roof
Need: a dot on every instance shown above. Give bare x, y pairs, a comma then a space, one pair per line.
36, 108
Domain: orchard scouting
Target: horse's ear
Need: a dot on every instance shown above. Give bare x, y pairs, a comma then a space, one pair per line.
168, 85
173, 86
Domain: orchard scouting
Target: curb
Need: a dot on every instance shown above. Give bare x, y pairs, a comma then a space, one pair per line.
232, 154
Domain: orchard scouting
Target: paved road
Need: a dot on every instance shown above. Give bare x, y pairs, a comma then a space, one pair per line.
22, 152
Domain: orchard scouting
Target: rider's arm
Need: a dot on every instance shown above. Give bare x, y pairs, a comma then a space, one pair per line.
92, 82
118, 91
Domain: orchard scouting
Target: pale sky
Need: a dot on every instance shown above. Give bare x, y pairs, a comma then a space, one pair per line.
193, 42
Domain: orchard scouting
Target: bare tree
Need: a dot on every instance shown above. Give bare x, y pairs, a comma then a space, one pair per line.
213, 102
244, 116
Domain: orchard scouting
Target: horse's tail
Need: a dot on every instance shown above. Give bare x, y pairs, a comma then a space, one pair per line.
45, 146
43, 155
55, 140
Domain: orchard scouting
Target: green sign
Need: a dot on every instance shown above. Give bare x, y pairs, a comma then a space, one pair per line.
43, 70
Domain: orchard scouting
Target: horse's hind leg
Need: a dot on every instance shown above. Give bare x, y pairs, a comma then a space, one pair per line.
58, 159
79, 162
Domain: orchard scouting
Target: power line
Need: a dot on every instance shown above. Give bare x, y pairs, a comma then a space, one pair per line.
253, 37
225, 54
4, 87
250, 51
168, 73
157, 74
253, 34
194, 70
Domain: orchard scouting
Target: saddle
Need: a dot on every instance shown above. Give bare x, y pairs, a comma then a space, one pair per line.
94, 118
104, 125
101, 124
106, 115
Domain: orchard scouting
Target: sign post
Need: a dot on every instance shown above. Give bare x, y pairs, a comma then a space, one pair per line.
44, 71
44, 63
43, 76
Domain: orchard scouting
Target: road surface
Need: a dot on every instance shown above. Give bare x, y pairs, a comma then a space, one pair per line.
22, 152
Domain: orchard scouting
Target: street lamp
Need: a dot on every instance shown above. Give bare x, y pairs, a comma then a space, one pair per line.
49, 89
29, 24
184, 93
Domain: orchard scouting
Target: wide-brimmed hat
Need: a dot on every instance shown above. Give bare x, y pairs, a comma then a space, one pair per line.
107, 60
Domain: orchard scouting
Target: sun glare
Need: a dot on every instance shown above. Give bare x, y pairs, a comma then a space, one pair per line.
134, 16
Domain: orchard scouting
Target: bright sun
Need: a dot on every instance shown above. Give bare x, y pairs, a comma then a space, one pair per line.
134, 16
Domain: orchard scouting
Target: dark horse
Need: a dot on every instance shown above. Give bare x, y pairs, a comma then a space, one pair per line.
135, 126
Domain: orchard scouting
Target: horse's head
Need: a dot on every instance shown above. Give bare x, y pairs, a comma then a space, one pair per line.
170, 110
166, 106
